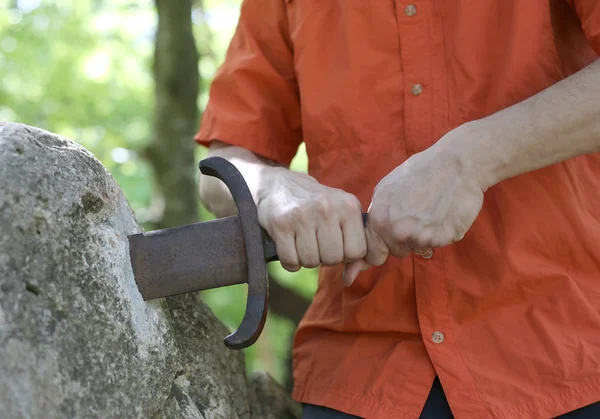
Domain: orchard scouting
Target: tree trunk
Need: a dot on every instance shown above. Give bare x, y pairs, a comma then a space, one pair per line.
177, 82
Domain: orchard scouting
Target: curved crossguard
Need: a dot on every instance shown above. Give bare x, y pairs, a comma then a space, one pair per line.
256, 306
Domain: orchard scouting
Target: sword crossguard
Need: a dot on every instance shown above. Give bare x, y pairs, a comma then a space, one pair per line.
258, 296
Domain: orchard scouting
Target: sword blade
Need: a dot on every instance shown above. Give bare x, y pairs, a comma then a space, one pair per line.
194, 257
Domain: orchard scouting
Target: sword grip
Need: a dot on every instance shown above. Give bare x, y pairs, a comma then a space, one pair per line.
270, 250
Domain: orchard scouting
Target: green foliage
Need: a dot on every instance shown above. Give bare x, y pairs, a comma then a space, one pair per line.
82, 69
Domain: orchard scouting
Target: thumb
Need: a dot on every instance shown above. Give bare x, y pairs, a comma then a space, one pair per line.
352, 269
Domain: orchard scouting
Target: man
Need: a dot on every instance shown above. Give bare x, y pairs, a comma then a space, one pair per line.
468, 130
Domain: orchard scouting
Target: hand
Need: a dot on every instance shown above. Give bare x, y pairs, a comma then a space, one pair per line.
310, 223
431, 200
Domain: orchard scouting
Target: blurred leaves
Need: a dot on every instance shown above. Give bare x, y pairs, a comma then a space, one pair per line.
82, 69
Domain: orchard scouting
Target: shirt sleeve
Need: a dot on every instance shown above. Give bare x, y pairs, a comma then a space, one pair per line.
253, 99
589, 14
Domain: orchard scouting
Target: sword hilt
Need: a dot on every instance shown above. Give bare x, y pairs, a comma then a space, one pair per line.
260, 249
258, 296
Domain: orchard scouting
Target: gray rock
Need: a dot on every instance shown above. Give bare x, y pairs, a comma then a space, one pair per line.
76, 338
205, 359
179, 404
269, 401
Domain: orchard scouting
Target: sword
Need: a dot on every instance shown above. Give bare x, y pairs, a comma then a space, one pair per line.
211, 254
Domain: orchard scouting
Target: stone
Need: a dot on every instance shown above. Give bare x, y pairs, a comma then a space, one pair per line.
76, 338
269, 401
217, 377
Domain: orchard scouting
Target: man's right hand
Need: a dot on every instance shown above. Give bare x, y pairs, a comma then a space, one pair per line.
310, 223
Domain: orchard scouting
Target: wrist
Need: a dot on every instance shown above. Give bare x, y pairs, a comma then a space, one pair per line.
460, 150
276, 178
478, 150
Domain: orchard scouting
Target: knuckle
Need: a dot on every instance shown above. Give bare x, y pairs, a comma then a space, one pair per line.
357, 252
332, 258
450, 236
287, 219
294, 213
302, 215
281, 221
421, 242
376, 259
378, 221
437, 242
399, 233
310, 263
350, 202
376, 255
333, 261
323, 209
309, 257
289, 262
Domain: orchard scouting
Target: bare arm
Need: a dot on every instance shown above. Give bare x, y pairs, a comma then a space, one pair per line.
215, 196
559, 123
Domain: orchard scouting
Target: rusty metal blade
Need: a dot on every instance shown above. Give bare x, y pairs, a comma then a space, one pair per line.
189, 258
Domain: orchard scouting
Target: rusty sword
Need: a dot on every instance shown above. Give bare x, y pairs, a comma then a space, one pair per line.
211, 254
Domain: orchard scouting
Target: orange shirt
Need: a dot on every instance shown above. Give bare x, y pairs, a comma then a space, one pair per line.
509, 317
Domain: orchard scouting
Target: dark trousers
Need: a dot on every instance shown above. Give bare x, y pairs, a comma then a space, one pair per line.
436, 407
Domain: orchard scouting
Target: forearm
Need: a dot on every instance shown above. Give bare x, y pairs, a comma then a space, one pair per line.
557, 124
257, 172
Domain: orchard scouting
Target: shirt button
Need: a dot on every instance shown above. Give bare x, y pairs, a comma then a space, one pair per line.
428, 254
417, 89
410, 10
437, 337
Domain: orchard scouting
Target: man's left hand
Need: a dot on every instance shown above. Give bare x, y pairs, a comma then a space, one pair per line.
431, 200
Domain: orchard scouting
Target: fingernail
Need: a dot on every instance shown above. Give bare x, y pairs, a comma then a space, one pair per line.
349, 281
347, 278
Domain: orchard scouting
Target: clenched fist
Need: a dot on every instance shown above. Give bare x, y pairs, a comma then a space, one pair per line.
429, 201
310, 223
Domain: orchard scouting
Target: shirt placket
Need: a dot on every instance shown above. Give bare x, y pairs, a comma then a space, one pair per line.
413, 28
425, 108
440, 339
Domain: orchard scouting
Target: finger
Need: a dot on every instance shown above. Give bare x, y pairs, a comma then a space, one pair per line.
377, 249
286, 251
354, 238
307, 248
352, 269
330, 243
422, 243
400, 250
396, 237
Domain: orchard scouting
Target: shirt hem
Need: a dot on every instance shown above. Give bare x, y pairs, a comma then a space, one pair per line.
353, 404
553, 405
556, 403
